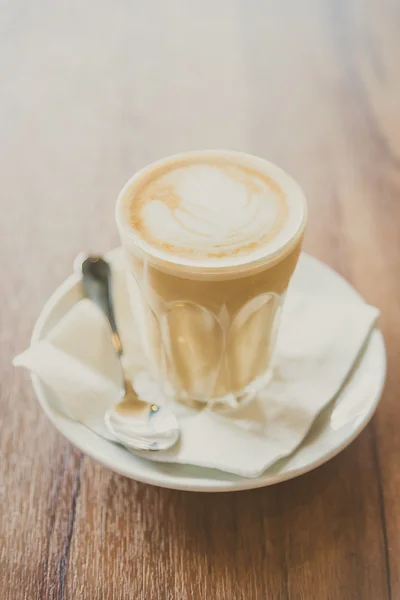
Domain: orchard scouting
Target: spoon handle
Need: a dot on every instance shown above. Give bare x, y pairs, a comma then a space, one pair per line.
96, 280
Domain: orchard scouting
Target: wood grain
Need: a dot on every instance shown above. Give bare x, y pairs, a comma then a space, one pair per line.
90, 92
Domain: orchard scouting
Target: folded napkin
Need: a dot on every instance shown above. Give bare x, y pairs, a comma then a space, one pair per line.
319, 341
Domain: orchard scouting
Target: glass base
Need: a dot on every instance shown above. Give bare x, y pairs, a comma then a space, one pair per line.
229, 401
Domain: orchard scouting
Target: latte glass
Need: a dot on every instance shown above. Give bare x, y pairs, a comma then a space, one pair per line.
209, 330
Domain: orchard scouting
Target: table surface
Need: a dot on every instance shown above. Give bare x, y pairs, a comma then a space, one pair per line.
90, 92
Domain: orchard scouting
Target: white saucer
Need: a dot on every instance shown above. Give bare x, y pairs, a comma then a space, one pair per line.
334, 429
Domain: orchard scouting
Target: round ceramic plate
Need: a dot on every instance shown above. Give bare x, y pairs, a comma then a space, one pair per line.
333, 430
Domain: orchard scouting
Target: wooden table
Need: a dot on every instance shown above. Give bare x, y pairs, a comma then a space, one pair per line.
91, 91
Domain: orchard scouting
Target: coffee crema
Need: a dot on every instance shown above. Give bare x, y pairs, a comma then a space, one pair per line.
211, 208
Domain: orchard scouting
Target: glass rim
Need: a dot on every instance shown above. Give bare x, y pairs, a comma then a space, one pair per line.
131, 239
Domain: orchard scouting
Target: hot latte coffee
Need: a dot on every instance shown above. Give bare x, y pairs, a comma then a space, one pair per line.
212, 239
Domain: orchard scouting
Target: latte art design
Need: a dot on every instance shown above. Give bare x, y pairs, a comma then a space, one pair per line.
208, 210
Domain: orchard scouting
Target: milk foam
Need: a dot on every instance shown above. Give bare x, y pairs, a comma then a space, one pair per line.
214, 211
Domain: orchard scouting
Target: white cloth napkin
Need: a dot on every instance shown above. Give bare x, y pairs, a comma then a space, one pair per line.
318, 343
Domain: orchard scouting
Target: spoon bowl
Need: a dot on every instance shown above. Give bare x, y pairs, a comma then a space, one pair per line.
139, 425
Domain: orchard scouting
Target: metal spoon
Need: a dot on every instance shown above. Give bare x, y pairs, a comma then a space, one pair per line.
135, 423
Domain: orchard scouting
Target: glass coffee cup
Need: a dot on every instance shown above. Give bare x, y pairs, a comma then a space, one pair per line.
211, 241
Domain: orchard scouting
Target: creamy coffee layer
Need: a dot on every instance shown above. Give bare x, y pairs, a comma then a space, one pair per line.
212, 208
